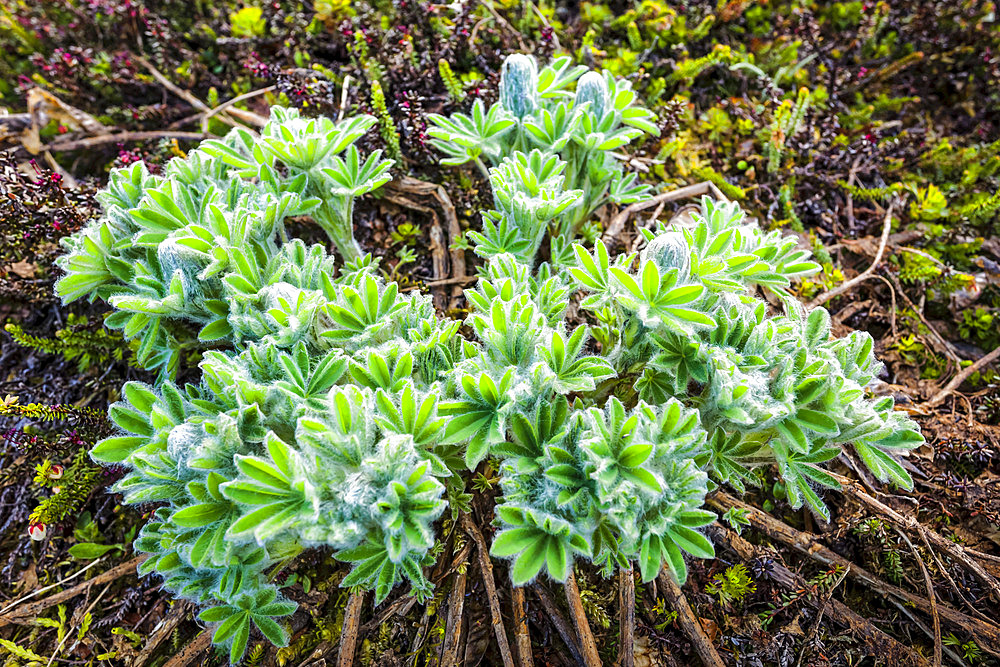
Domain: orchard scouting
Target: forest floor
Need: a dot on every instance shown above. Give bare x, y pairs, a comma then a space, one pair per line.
870, 129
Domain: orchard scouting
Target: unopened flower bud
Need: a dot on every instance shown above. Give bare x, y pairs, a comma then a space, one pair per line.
519, 85
594, 89
37, 531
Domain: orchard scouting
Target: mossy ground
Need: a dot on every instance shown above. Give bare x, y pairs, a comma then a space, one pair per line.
815, 116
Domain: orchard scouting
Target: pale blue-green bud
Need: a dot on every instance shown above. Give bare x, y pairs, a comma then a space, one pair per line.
594, 89
519, 85
669, 250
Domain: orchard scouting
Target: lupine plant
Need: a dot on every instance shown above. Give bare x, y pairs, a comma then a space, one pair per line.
193, 258
334, 411
538, 109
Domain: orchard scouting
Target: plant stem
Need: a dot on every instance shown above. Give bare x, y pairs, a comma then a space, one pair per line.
335, 216
482, 168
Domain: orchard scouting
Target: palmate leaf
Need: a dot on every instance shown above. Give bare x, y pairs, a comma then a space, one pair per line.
480, 417
465, 137
657, 550
800, 471
374, 569
729, 459
234, 621
549, 546
531, 432
350, 177
572, 370
361, 309
271, 486
883, 466
660, 299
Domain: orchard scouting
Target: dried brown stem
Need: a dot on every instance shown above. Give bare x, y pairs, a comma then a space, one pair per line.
414, 186
486, 567
877, 642
953, 549
617, 223
819, 617
867, 273
591, 658
931, 596
688, 621
349, 633
987, 634
163, 631
957, 381
626, 617
192, 651
453, 622
522, 637
27, 613
122, 137
558, 622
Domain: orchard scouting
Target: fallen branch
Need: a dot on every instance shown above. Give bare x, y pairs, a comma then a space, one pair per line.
260, 121
191, 651
961, 377
452, 263
987, 634
453, 622
49, 587
878, 642
163, 631
185, 95
931, 596
349, 633
867, 273
591, 658
953, 549
688, 621
819, 618
617, 223
27, 613
122, 137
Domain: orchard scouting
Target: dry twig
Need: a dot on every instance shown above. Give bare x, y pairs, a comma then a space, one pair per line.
558, 622
688, 621
957, 381
522, 638
931, 596
867, 273
987, 635
122, 137
486, 567
349, 634
953, 549
27, 613
192, 651
626, 617
617, 223
163, 631
591, 658
877, 642
453, 622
